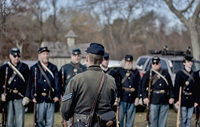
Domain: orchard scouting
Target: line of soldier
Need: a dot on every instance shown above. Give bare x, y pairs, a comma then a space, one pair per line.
126, 87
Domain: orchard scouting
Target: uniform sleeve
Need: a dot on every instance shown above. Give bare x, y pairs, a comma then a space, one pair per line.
197, 86
31, 82
2, 79
171, 89
139, 84
118, 82
57, 82
68, 101
145, 83
178, 82
27, 78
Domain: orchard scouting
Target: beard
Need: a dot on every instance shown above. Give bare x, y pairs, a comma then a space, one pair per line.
128, 67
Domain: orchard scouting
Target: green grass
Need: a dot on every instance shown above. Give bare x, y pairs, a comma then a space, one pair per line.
139, 119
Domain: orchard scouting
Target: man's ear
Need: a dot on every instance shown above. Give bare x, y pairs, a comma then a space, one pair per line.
87, 59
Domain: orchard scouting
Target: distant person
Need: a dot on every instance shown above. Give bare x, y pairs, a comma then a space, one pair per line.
104, 65
162, 93
70, 70
82, 90
190, 94
18, 90
128, 91
47, 89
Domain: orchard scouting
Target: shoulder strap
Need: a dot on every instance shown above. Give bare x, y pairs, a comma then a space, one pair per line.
47, 69
125, 77
45, 76
77, 67
161, 76
97, 97
189, 75
17, 72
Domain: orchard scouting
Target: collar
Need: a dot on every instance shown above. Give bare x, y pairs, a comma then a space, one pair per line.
94, 68
14, 65
103, 68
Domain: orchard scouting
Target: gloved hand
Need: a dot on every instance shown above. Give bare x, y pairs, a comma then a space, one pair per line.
25, 101
3, 97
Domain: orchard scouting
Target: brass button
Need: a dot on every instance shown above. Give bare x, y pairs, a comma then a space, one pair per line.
44, 89
186, 97
160, 84
14, 80
44, 80
129, 94
187, 88
129, 86
128, 77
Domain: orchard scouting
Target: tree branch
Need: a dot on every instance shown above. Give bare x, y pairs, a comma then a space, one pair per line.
189, 6
196, 12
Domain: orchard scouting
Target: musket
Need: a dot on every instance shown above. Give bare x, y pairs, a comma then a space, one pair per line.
197, 116
117, 116
3, 118
149, 93
63, 83
63, 92
35, 96
179, 108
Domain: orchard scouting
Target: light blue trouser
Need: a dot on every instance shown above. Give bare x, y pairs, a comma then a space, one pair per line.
17, 110
45, 112
129, 109
186, 116
158, 115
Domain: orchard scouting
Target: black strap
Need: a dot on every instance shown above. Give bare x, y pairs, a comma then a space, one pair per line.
125, 77
77, 67
45, 76
14, 74
104, 79
189, 75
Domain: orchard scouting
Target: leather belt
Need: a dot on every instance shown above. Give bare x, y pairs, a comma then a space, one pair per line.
44, 94
158, 91
128, 89
187, 93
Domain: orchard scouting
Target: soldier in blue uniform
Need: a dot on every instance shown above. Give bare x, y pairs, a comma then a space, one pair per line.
47, 89
189, 99
162, 93
18, 90
104, 65
70, 70
128, 90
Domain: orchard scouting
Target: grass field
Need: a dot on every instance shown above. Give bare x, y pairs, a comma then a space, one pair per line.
139, 119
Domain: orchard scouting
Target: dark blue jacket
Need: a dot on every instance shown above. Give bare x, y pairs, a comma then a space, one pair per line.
130, 82
42, 85
192, 87
160, 84
17, 83
69, 71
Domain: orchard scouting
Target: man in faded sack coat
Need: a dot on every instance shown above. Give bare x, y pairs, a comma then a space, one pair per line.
82, 89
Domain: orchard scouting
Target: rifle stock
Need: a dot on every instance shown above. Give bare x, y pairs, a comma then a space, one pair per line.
197, 116
35, 96
3, 118
179, 108
117, 116
149, 93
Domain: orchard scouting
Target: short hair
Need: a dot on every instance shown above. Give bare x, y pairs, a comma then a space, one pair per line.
95, 59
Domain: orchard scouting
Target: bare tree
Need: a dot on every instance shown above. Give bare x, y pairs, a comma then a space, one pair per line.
193, 8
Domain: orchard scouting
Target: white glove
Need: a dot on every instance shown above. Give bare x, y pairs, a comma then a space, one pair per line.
25, 101
3, 97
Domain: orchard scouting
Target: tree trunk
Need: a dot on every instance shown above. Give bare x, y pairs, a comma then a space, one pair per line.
195, 42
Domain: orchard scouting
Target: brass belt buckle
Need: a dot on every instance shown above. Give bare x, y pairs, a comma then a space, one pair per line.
132, 89
162, 91
15, 91
109, 123
44, 94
